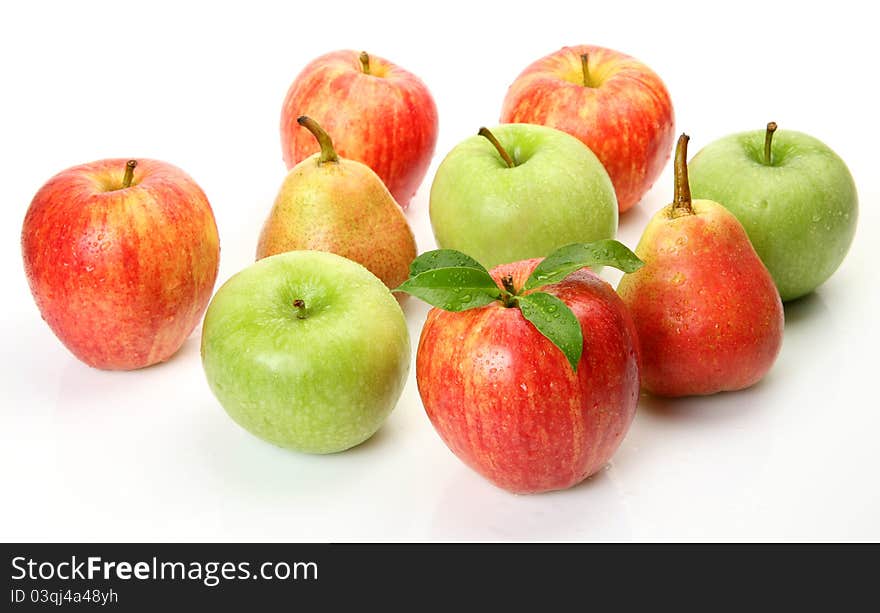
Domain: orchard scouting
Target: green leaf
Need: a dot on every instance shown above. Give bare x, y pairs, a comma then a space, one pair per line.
565, 260
453, 289
443, 258
555, 320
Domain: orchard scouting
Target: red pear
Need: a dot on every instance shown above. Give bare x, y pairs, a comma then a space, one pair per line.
708, 314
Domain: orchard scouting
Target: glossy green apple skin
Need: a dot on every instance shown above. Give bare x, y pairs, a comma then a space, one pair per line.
800, 211
321, 384
558, 193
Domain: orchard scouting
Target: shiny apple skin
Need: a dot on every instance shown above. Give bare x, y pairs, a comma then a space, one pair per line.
505, 400
625, 117
121, 275
386, 119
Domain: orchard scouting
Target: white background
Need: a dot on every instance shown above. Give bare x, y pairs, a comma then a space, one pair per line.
150, 455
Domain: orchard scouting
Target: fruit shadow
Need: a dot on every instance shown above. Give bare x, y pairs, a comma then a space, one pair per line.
412, 308
246, 464
809, 308
631, 224
471, 508
84, 392
714, 408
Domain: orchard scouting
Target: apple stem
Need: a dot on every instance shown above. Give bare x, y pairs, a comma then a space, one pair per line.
509, 290
681, 204
585, 68
129, 173
328, 153
300, 308
365, 62
768, 142
484, 132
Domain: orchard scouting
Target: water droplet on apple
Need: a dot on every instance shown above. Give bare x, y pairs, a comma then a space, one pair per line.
817, 218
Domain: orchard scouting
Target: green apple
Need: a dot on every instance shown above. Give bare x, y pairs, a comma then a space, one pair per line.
307, 350
520, 191
792, 193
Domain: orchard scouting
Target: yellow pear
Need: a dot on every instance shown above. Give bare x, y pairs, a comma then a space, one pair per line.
328, 203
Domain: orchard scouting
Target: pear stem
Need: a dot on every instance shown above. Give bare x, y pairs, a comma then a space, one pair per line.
509, 290
328, 153
364, 57
300, 306
484, 132
681, 204
129, 173
768, 142
585, 68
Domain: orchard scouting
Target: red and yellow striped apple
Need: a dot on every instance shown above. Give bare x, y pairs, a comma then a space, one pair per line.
505, 399
376, 113
613, 103
121, 258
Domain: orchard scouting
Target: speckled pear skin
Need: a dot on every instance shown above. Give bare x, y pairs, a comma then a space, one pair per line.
708, 314
344, 208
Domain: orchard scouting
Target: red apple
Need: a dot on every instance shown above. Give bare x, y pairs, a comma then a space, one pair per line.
121, 259
376, 113
613, 103
507, 402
